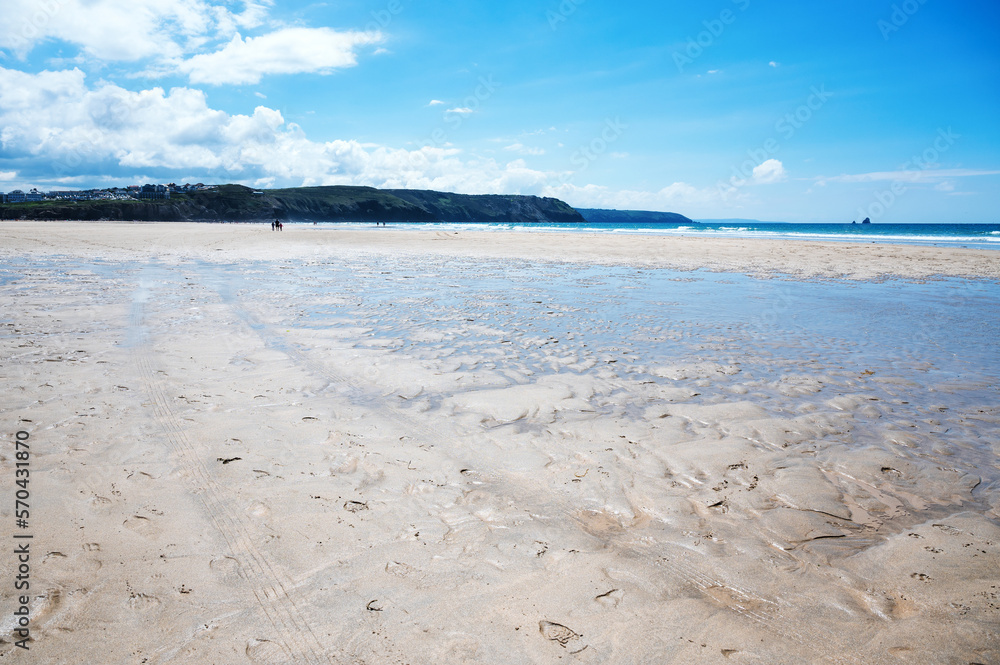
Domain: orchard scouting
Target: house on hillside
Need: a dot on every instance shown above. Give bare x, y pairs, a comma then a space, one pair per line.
149, 192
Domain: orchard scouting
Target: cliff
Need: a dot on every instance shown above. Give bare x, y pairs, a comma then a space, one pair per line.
337, 203
489, 207
632, 217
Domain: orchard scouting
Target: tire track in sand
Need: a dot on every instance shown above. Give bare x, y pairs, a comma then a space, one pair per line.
299, 642
695, 570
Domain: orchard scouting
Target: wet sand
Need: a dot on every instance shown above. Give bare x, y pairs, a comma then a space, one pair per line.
389, 446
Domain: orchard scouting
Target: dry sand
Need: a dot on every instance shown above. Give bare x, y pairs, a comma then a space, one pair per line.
233, 462
754, 256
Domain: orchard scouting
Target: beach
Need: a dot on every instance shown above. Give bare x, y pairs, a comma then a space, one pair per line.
380, 445
761, 257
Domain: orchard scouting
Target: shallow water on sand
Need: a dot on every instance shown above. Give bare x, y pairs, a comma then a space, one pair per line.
914, 351
509, 461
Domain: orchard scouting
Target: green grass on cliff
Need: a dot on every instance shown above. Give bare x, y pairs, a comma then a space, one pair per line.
330, 203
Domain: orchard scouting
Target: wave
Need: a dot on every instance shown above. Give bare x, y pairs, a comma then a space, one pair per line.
987, 239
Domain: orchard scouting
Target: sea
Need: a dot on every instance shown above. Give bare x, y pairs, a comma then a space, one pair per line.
976, 236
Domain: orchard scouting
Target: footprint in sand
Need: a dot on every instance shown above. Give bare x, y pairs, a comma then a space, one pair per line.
901, 608
265, 651
142, 602
950, 530
89, 566
140, 477
258, 510
72, 564
599, 523
610, 598
40, 607
564, 636
355, 506
362, 475
99, 503
142, 525
46, 603
225, 566
398, 569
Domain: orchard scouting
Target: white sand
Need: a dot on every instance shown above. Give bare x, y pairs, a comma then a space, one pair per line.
756, 256
217, 480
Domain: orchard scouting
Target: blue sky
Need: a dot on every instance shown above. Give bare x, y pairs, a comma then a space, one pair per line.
735, 108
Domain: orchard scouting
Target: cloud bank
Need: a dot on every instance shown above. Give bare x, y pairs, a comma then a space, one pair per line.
193, 38
57, 129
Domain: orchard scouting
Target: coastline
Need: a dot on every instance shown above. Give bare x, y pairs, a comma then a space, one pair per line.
761, 257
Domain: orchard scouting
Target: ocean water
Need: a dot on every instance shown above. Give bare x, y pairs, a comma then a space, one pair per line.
981, 236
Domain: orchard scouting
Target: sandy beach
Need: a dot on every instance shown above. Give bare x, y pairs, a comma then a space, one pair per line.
394, 446
255, 241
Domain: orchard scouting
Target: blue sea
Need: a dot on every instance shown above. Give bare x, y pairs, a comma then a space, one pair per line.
980, 236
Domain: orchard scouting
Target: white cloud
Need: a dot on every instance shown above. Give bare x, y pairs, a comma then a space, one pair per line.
60, 130
179, 36
57, 131
524, 150
254, 14
946, 186
773, 63
714, 71
769, 172
435, 102
288, 51
121, 30
461, 110
673, 197
913, 175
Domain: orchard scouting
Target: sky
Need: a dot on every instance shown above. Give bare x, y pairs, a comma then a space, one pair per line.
780, 110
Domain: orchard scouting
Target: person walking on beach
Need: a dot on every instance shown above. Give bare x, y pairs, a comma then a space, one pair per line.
273, 224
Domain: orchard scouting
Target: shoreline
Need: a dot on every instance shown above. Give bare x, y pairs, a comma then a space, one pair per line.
762, 257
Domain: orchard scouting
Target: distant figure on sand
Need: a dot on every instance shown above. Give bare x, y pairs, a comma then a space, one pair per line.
274, 225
